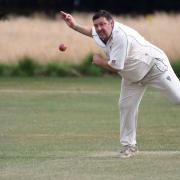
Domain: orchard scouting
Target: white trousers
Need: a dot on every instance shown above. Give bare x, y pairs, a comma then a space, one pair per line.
161, 77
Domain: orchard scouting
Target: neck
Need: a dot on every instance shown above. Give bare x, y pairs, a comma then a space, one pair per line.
104, 40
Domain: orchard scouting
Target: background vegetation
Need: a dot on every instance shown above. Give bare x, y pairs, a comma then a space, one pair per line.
28, 67
38, 37
50, 7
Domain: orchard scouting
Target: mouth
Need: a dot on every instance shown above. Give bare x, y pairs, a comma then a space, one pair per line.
102, 35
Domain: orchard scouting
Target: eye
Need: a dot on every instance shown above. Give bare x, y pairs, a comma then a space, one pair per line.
102, 24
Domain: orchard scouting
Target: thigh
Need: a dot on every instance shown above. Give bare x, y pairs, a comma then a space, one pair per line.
131, 92
168, 84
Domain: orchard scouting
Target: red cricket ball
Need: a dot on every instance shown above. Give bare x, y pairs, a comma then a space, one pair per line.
62, 47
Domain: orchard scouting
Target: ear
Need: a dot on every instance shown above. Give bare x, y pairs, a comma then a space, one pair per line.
112, 23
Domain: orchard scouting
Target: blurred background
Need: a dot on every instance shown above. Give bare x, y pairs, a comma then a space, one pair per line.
51, 7
30, 28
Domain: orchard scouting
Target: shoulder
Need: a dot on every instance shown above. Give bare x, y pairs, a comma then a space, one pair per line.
93, 31
118, 32
119, 28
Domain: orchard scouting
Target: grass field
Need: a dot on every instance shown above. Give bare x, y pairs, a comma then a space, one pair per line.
68, 129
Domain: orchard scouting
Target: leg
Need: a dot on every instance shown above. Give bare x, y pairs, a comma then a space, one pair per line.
168, 84
131, 95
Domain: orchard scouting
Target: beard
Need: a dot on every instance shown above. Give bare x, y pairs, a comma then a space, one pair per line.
104, 37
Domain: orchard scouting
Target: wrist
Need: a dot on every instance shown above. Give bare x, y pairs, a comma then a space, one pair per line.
76, 27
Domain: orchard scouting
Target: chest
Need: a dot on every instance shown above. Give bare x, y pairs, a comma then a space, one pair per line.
108, 49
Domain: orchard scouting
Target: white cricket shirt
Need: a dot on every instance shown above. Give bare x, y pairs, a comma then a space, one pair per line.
128, 52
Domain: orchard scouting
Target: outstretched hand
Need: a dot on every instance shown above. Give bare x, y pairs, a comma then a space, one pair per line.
70, 21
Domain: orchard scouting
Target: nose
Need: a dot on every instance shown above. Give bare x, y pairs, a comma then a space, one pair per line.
98, 28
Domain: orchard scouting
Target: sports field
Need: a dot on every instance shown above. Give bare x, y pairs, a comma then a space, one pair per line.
68, 129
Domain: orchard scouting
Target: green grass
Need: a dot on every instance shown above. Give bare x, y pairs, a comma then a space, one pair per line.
68, 129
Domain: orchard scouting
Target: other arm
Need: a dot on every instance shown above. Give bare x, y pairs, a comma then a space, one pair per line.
71, 22
100, 61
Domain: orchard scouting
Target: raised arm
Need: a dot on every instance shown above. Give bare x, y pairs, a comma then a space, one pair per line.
71, 22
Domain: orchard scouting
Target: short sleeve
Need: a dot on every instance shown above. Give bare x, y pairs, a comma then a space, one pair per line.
118, 51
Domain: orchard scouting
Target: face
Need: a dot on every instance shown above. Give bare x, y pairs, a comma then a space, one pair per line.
103, 27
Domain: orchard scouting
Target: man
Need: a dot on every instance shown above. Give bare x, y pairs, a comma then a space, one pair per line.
140, 64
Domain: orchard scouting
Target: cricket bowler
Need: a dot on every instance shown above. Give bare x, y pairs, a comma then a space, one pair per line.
140, 64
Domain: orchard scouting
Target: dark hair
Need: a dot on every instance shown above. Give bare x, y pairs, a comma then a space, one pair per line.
102, 13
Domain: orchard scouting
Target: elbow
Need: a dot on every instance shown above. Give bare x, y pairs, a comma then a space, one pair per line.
115, 67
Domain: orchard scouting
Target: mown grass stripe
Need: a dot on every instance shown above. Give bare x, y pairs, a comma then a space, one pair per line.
57, 91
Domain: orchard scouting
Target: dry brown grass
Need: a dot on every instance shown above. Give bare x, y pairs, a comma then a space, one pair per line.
39, 37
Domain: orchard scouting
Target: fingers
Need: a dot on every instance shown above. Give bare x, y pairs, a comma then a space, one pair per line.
65, 16
96, 55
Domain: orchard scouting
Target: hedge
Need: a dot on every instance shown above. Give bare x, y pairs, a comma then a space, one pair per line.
28, 67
